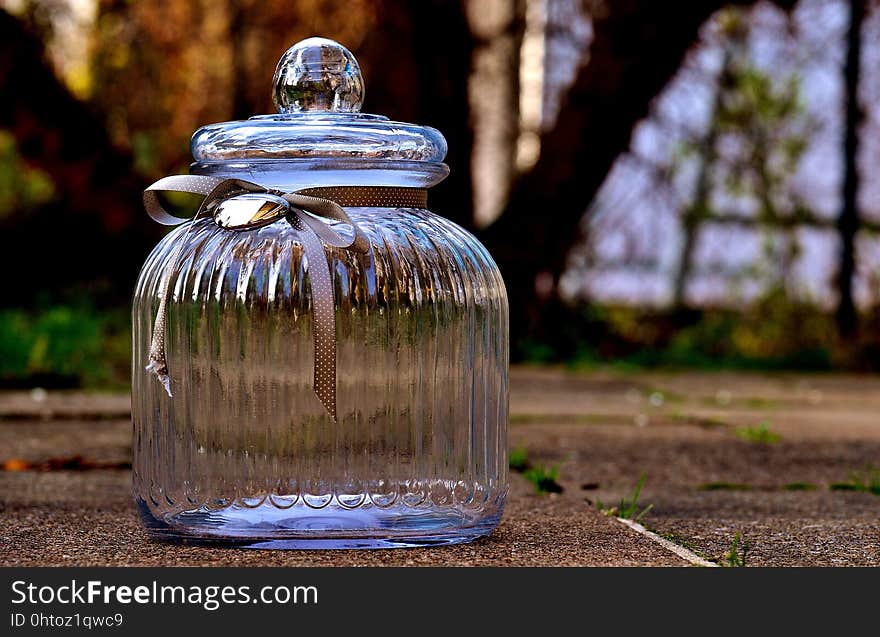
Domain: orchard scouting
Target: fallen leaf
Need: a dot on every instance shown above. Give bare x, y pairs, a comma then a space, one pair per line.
16, 464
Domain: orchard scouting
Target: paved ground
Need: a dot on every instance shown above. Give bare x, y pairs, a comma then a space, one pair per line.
706, 479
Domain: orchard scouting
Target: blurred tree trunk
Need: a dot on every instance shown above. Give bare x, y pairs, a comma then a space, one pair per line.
419, 61
498, 28
637, 48
242, 107
96, 221
848, 221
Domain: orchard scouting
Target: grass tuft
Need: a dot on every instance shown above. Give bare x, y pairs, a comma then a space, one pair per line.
725, 486
544, 479
759, 434
519, 459
867, 481
738, 552
628, 508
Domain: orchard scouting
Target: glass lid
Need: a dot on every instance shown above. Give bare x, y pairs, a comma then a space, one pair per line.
318, 91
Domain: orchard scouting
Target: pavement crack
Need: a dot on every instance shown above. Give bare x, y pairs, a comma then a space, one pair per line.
680, 551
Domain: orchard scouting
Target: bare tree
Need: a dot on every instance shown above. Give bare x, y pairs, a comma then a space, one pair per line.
636, 49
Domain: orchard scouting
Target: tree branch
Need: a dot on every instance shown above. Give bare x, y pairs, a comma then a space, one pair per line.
637, 48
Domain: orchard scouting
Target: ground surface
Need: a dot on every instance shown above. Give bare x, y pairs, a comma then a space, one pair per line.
706, 477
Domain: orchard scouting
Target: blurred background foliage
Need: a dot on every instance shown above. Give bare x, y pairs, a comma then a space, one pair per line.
698, 185
22, 187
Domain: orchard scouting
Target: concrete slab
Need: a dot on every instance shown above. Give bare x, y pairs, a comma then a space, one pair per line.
602, 429
87, 519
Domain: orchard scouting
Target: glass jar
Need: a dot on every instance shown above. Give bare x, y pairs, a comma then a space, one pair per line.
240, 450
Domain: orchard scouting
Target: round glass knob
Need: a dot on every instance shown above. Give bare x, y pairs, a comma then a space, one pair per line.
318, 74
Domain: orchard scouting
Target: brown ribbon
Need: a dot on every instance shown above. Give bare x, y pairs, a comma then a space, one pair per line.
236, 204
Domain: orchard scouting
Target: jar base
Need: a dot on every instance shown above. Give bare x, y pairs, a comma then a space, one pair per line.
332, 527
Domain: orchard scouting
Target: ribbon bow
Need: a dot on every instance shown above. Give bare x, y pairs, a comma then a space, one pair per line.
236, 204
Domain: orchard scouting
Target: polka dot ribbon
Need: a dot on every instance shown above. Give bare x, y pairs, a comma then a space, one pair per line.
312, 213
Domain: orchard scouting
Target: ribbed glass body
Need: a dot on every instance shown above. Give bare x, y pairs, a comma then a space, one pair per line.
245, 453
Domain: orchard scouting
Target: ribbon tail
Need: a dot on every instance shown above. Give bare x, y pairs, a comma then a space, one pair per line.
323, 315
160, 370
157, 362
